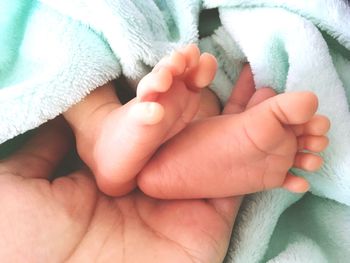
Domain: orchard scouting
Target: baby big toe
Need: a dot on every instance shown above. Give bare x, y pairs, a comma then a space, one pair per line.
146, 113
294, 107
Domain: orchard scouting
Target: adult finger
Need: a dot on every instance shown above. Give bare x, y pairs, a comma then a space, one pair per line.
241, 92
41, 154
259, 96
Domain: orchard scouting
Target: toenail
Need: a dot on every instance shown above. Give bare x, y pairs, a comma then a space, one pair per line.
152, 112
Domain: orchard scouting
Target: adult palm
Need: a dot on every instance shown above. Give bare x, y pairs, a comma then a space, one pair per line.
69, 220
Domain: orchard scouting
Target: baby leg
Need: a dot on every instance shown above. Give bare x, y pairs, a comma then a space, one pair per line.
116, 141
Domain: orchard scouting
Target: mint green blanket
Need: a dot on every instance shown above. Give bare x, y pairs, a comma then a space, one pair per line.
53, 53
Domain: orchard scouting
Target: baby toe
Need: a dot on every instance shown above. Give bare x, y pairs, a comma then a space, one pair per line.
203, 74
318, 125
308, 161
191, 53
176, 63
295, 184
154, 83
312, 143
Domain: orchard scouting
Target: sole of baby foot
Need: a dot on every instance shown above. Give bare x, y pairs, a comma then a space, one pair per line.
167, 100
281, 144
240, 101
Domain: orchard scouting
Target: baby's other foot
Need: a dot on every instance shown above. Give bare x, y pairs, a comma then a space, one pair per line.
241, 153
125, 137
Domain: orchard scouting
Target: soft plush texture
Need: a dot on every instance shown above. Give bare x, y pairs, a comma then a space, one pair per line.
293, 45
61, 50
56, 52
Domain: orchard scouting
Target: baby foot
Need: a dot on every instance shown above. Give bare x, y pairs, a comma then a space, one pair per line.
126, 137
279, 134
241, 153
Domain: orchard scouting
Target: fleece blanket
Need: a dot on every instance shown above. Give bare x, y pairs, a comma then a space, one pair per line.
294, 45
53, 53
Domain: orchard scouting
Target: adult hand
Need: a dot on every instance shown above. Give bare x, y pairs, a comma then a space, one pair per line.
69, 220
